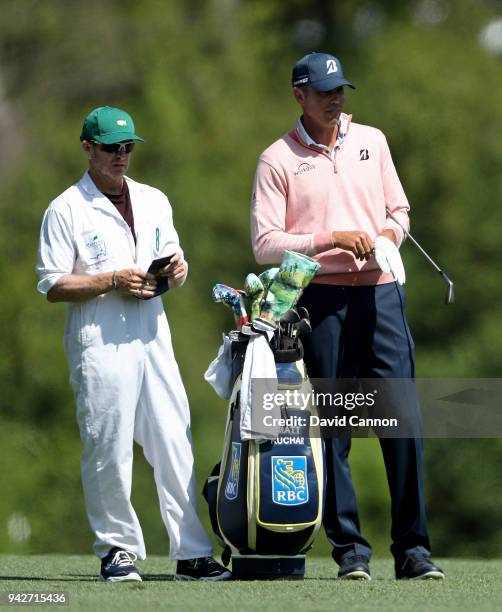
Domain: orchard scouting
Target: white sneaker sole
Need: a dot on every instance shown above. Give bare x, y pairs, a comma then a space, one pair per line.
432, 575
132, 577
224, 576
357, 575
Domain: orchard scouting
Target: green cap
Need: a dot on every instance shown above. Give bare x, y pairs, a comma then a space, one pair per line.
108, 125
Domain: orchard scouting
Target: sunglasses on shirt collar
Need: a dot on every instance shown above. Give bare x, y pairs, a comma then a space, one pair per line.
116, 147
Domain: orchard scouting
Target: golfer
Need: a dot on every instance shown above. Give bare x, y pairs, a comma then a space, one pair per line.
98, 239
323, 190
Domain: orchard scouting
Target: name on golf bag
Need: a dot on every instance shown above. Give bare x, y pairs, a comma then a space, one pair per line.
289, 480
232, 486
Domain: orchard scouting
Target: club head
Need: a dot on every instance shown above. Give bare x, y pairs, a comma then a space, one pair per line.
248, 330
288, 320
303, 327
291, 316
303, 312
450, 290
260, 324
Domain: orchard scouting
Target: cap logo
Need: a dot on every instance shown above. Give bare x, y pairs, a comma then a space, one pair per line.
331, 66
121, 122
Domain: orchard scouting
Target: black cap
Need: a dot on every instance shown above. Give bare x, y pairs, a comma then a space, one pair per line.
321, 71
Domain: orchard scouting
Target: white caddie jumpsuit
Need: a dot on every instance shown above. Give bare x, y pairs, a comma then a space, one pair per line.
125, 378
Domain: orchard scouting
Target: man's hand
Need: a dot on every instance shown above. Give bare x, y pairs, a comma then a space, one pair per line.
175, 271
135, 282
81, 287
388, 258
356, 242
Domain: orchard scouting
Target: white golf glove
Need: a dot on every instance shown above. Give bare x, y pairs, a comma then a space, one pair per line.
388, 258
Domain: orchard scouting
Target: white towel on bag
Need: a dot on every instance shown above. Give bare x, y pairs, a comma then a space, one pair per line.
259, 376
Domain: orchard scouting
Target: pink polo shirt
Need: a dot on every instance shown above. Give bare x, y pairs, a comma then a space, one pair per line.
302, 193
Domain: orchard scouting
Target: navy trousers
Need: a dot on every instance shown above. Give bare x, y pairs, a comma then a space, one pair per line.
362, 332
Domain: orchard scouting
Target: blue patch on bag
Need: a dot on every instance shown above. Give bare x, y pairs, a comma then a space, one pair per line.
232, 486
289, 480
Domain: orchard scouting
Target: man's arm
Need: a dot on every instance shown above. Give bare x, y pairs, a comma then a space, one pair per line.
359, 243
80, 287
56, 256
388, 242
395, 197
268, 220
177, 269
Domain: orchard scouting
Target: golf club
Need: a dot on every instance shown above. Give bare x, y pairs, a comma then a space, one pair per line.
302, 327
450, 295
303, 312
288, 319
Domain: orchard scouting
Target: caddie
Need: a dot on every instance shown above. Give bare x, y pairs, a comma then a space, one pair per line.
97, 241
324, 190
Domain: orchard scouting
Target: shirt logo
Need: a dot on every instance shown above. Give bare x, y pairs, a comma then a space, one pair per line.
232, 486
363, 155
331, 66
289, 484
304, 167
96, 248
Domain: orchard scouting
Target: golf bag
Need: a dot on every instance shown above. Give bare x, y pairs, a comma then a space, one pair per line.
266, 499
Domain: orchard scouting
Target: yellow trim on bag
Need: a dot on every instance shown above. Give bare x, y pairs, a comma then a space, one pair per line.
250, 494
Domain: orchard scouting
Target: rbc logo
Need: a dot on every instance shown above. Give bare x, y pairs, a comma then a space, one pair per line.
289, 481
232, 486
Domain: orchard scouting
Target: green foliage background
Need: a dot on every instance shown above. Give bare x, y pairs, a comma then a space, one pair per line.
208, 85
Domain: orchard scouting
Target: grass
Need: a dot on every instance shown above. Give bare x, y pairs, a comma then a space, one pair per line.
470, 585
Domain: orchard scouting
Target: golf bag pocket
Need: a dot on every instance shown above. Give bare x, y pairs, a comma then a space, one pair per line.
287, 489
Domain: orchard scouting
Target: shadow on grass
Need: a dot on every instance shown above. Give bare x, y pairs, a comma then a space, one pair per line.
74, 578
154, 577
85, 578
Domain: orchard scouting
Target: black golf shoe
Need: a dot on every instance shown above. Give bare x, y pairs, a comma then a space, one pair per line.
354, 567
203, 568
419, 567
118, 566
